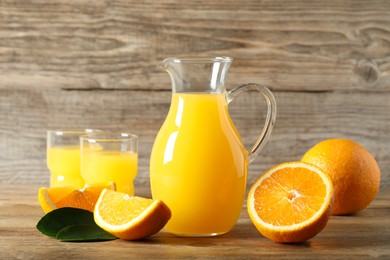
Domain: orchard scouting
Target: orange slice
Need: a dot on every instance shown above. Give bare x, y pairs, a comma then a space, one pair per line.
130, 217
291, 202
59, 197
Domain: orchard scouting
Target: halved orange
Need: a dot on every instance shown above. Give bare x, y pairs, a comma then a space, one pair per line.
291, 202
59, 197
130, 217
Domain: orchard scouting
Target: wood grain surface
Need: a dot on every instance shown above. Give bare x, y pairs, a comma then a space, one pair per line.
365, 235
66, 64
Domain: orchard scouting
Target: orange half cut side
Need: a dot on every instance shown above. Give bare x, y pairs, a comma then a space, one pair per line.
291, 202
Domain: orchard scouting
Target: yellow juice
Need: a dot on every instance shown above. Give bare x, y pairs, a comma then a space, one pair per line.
105, 166
198, 166
64, 165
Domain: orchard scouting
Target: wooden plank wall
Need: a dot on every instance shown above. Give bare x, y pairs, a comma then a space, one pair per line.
81, 63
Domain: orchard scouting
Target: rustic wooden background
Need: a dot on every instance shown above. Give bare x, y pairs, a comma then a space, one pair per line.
81, 63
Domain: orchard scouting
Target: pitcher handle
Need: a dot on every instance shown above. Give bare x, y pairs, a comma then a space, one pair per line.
270, 119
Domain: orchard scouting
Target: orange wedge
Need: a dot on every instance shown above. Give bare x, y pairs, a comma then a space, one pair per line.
130, 217
291, 202
59, 197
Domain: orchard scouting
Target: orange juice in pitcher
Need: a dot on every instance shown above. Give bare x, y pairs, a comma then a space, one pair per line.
198, 165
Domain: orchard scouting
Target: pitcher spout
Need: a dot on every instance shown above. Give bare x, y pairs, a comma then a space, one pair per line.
197, 74
164, 65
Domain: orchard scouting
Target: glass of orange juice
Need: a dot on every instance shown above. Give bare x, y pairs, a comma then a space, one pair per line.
63, 157
110, 157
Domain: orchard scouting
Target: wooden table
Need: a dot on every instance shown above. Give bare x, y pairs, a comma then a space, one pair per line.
361, 236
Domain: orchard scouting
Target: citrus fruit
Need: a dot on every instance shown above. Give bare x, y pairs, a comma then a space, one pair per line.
59, 197
353, 170
291, 202
130, 217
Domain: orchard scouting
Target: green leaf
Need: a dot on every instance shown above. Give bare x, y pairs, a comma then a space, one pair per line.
56, 220
84, 233
72, 224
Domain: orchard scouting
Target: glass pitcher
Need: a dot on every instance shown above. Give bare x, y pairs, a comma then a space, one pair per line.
198, 164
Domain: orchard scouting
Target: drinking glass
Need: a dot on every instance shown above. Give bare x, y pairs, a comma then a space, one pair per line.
110, 157
63, 157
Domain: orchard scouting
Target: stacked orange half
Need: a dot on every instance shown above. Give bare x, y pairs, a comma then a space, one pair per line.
59, 197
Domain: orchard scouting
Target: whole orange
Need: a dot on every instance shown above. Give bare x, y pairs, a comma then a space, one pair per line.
353, 170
